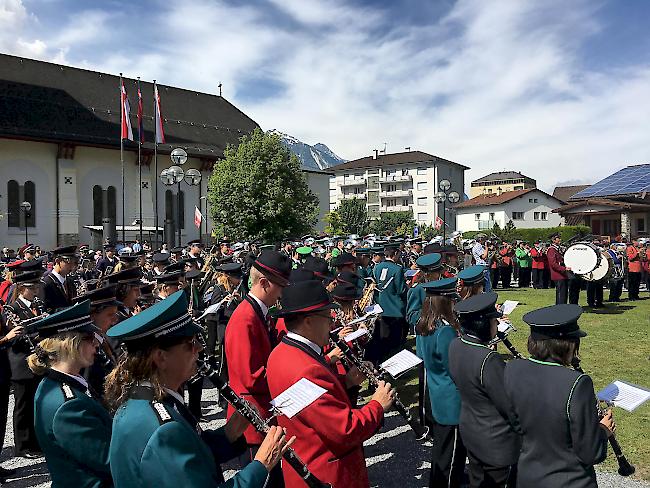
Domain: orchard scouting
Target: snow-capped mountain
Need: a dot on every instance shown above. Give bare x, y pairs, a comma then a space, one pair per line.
318, 156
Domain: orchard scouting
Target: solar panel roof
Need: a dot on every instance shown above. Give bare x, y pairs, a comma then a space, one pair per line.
633, 179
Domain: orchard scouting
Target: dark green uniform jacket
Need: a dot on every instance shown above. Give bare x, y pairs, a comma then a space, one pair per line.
414, 300
74, 432
156, 444
391, 287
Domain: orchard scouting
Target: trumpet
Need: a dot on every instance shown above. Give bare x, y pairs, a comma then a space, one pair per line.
245, 409
624, 466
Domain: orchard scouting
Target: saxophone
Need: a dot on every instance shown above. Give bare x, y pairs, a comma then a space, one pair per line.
368, 296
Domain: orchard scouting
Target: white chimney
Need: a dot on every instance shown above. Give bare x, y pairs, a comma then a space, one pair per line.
376, 155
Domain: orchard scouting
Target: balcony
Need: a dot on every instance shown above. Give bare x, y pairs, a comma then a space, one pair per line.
350, 182
351, 196
485, 224
396, 208
396, 193
394, 178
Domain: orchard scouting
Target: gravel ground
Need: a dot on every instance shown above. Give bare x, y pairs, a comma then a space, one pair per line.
394, 458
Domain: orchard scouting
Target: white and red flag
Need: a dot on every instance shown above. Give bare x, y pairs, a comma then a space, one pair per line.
198, 217
439, 223
127, 131
160, 133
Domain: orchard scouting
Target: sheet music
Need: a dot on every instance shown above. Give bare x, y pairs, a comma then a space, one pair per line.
400, 363
508, 306
625, 395
503, 325
355, 335
297, 397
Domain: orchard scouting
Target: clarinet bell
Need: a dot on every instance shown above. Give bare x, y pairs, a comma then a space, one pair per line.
624, 467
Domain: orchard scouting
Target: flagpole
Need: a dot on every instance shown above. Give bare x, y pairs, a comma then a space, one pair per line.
155, 159
140, 155
122, 157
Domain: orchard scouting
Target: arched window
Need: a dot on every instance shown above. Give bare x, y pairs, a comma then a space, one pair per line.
30, 196
98, 205
13, 204
111, 199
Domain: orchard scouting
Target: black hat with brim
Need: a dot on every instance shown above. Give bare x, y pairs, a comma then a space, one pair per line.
275, 266
67, 252
346, 292
232, 269
161, 258
319, 267
343, 259
100, 297
131, 276
169, 278
444, 287
305, 297
555, 322
482, 305
301, 274
348, 277
28, 278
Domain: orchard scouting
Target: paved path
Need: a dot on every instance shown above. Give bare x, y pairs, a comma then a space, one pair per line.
394, 458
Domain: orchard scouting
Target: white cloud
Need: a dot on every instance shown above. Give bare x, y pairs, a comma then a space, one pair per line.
493, 85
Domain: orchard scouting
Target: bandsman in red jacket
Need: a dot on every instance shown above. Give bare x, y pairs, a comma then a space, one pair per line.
329, 432
558, 269
248, 341
539, 257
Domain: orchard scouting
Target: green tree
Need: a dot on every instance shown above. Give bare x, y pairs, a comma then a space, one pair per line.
390, 222
335, 224
354, 216
258, 191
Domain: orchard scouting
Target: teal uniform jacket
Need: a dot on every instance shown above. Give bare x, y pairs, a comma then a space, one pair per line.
156, 446
433, 349
391, 295
414, 301
74, 432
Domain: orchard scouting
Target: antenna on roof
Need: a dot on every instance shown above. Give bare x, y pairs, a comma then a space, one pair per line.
384, 151
220, 85
408, 148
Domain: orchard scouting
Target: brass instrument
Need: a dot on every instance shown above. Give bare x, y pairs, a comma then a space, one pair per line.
624, 466
368, 296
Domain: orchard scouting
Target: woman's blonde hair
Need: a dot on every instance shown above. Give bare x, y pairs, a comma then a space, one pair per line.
61, 347
134, 367
222, 279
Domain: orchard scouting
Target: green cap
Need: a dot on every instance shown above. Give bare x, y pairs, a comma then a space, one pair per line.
304, 250
167, 318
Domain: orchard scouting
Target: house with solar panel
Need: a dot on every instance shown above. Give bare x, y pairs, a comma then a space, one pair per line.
616, 205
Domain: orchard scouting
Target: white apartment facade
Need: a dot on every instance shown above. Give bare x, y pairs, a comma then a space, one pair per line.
398, 182
530, 208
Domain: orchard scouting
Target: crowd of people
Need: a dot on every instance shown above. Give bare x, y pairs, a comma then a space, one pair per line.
101, 349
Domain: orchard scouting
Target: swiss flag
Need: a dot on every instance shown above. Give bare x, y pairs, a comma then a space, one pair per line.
439, 223
198, 218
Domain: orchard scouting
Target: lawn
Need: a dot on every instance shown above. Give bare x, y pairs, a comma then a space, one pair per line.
617, 347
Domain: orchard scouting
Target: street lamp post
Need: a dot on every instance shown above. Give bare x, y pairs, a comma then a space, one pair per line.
26, 207
441, 197
174, 175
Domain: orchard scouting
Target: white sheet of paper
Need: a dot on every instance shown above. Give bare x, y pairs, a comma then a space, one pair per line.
400, 363
374, 309
625, 395
297, 397
503, 325
508, 306
355, 335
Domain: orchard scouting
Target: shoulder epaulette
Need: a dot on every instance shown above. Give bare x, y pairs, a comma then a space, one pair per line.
161, 412
68, 392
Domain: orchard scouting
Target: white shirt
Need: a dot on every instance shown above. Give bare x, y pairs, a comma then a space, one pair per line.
265, 309
77, 377
169, 391
304, 340
477, 252
59, 277
25, 301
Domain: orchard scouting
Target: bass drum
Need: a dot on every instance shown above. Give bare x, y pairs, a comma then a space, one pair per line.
582, 258
603, 271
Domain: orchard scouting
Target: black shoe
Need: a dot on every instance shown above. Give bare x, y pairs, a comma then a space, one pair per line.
29, 454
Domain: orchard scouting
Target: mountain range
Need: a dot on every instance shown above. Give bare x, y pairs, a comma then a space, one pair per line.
318, 156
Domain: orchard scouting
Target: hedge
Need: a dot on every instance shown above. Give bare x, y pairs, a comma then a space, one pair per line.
532, 235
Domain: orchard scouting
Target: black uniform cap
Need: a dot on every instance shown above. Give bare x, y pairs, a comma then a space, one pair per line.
100, 297
431, 248
65, 252
126, 276
232, 269
161, 258
343, 259
346, 292
193, 274
28, 278
482, 305
169, 278
555, 322
31, 265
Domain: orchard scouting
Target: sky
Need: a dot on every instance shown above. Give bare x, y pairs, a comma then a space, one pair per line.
559, 90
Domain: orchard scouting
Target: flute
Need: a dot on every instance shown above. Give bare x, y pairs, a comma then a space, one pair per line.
246, 410
351, 359
624, 466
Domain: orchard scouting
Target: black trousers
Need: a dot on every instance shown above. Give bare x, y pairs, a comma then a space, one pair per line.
561, 291
5, 387
615, 289
24, 435
595, 293
546, 276
538, 278
506, 275
387, 338
524, 277
575, 284
482, 475
447, 457
633, 282
494, 277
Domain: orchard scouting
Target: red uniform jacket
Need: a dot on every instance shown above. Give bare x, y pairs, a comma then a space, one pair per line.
633, 259
248, 346
556, 264
538, 258
329, 432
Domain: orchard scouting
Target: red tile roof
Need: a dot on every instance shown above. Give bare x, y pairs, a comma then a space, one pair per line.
495, 199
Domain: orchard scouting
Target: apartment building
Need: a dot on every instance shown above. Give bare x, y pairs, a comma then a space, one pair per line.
398, 182
500, 182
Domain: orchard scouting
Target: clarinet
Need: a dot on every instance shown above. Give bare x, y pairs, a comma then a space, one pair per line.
511, 347
351, 359
246, 410
624, 466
